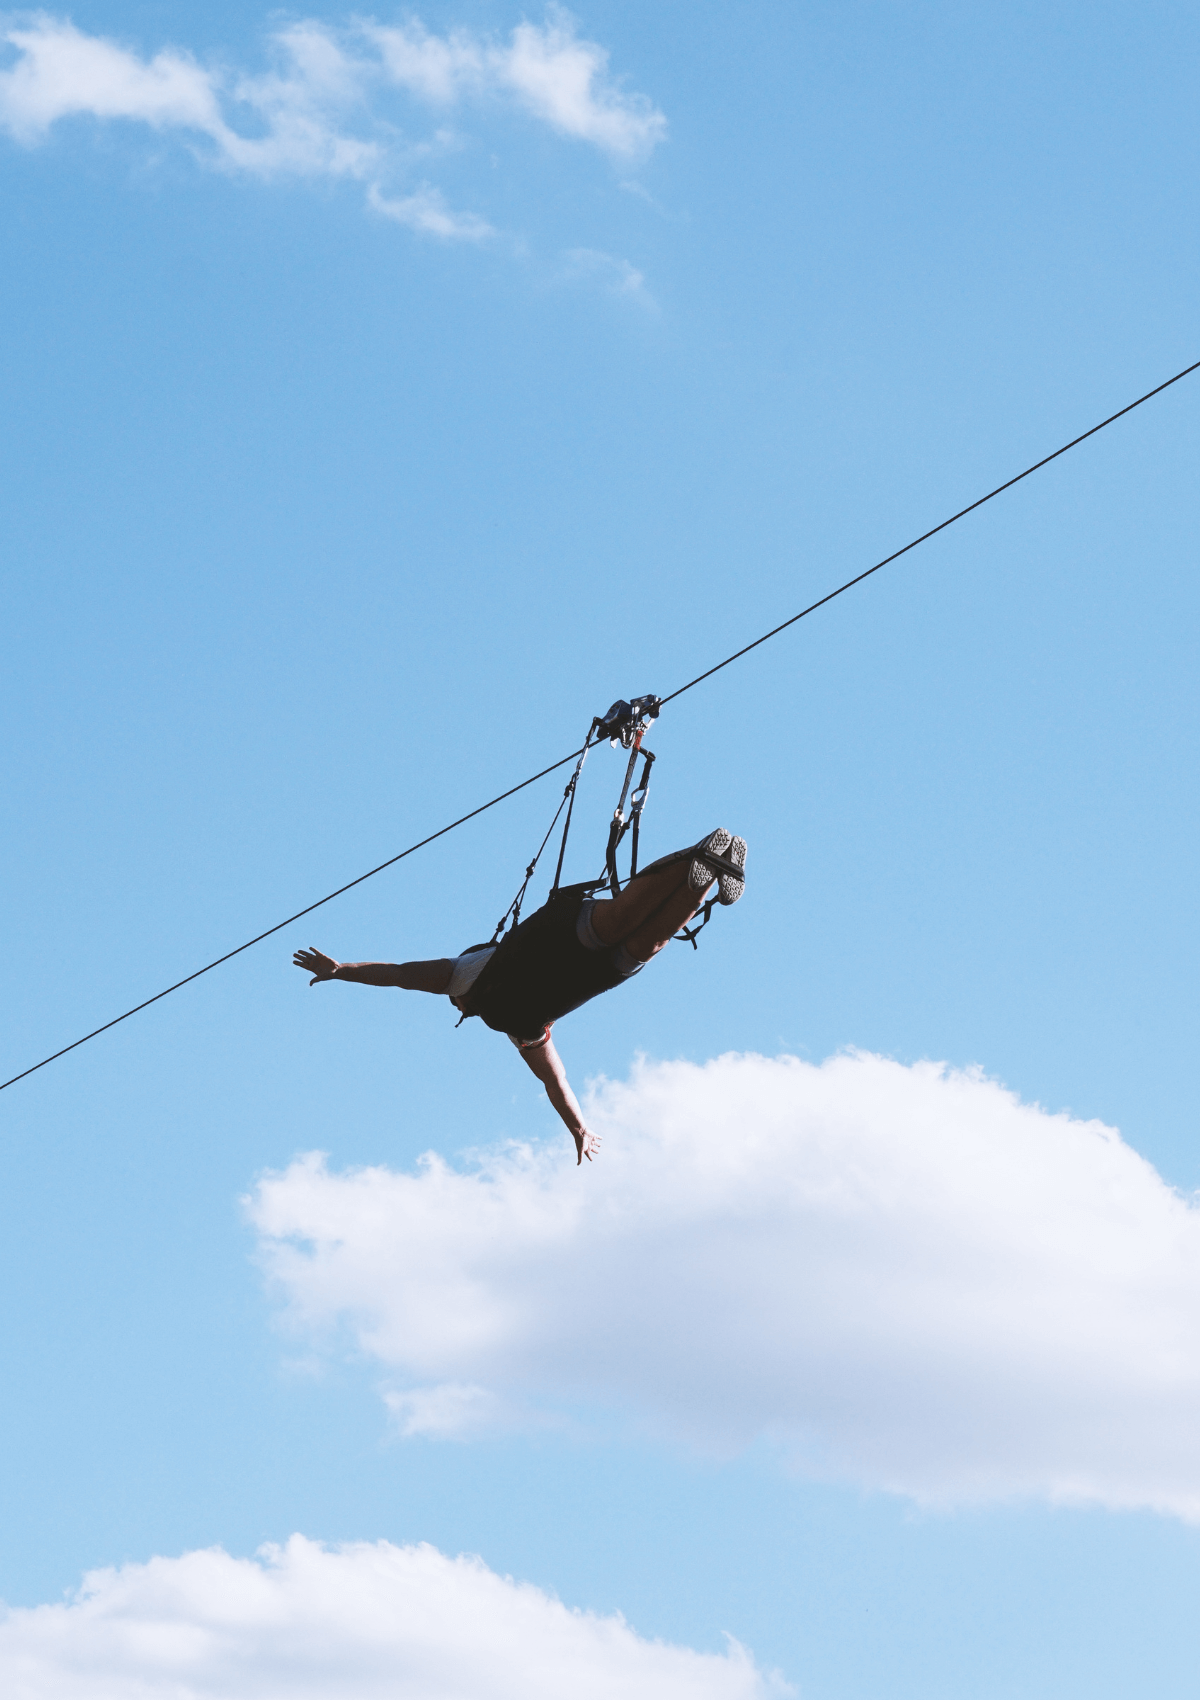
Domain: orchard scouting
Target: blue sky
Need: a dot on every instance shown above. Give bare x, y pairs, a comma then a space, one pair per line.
381, 403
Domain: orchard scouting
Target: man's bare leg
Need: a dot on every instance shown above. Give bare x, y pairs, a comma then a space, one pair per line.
650, 911
657, 930
615, 918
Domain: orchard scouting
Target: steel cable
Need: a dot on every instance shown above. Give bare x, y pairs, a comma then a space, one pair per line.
574, 755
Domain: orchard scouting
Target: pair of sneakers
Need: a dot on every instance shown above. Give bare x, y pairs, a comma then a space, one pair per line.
724, 855
720, 856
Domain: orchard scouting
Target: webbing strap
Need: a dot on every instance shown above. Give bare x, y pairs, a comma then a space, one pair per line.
636, 804
569, 799
687, 935
619, 826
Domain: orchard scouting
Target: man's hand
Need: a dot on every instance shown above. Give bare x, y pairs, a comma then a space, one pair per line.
316, 963
587, 1145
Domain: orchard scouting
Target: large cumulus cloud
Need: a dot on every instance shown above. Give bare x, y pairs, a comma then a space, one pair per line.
903, 1275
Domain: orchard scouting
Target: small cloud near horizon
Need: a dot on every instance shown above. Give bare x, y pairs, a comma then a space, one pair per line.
364, 1620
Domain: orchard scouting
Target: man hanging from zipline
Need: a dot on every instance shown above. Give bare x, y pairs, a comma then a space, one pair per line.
572, 949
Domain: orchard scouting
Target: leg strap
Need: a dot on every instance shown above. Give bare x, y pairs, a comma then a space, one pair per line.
688, 934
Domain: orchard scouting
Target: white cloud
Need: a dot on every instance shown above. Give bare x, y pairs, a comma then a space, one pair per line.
426, 210
356, 1622
61, 72
322, 111
904, 1276
561, 79
553, 74
615, 276
441, 69
445, 1411
303, 110
293, 112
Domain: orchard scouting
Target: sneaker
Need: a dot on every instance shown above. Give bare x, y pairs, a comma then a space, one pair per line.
733, 880
704, 854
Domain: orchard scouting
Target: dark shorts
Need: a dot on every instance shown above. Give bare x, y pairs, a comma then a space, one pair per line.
541, 972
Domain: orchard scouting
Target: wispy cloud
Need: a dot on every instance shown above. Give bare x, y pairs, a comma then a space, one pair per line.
363, 1621
614, 276
426, 210
905, 1276
551, 73
322, 110
449, 1411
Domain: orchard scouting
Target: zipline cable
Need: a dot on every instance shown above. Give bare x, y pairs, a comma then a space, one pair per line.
574, 755
926, 535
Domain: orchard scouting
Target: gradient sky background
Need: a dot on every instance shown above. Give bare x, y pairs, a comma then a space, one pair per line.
320, 530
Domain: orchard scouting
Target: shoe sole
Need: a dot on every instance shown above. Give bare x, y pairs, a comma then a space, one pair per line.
733, 884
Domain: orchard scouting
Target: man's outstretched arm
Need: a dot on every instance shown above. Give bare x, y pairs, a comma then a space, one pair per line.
545, 1062
409, 976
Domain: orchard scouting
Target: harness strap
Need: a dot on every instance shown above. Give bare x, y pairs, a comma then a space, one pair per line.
636, 804
688, 934
569, 793
619, 826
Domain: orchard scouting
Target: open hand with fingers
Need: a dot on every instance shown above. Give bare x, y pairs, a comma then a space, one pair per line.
316, 963
587, 1145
